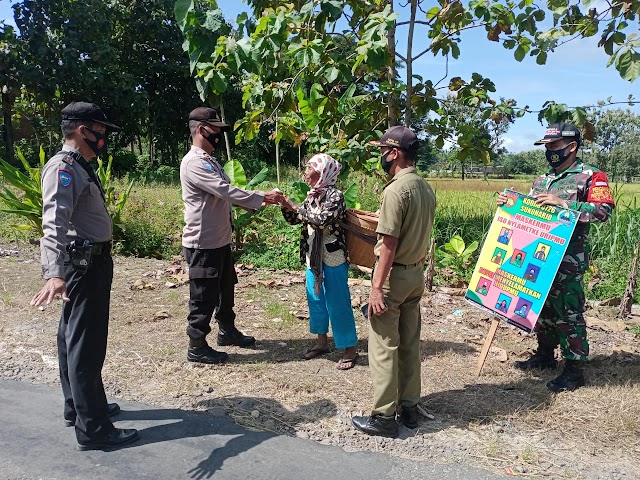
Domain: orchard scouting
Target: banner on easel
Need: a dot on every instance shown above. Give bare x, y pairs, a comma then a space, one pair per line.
520, 258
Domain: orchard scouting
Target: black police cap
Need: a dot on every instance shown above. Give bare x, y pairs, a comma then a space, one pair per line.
210, 116
86, 111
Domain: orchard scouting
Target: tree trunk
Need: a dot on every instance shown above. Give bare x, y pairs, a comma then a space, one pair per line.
277, 153
627, 298
462, 170
392, 109
151, 152
226, 135
431, 266
409, 94
7, 110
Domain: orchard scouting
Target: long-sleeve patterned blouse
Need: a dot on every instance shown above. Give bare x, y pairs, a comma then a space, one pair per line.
321, 217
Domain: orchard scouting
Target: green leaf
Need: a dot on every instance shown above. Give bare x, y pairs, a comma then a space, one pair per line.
628, 64
541, 59
470, 249
351, 195
300, 191
180, 10
258, 179
235, 172
456, 245
331, 74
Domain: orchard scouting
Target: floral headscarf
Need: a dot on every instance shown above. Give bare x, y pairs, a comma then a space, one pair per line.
329, 169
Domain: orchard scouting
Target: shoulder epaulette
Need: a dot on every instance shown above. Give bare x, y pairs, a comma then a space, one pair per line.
67, 156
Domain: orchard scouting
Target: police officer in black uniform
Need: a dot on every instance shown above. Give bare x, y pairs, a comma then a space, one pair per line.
76, 261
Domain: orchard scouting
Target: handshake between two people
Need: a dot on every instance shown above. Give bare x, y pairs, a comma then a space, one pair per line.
276, 197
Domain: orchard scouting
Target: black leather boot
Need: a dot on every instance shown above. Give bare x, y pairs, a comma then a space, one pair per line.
377, 425
570, 379
232, 336
199, 351
543, 359
409, 416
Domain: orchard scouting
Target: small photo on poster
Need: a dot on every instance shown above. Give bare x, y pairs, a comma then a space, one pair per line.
505, 236
484, 284
522, 307
499, 256
503, 303
542, 251
531, 272
517, 258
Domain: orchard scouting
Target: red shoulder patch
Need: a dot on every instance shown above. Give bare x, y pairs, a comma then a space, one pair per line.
599, 191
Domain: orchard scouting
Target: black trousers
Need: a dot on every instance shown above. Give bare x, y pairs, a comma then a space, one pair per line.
82, 346
212, 279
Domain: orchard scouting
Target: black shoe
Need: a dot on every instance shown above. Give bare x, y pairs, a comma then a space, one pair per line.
206, 355
113, 409
570, 379
409, 416
543, 359
115, 439
377, 425
234, 337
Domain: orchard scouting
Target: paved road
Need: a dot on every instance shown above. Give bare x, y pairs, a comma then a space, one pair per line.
178, 444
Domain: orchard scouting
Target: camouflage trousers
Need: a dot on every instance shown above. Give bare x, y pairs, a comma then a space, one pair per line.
561, 321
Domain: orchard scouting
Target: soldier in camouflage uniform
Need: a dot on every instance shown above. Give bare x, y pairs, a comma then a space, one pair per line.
570, 184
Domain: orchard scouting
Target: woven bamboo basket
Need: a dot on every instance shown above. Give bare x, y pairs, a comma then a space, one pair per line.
361, 228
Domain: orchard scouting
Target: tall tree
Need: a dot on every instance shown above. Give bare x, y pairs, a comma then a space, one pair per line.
616, 146
125, 55
302, 61
10, 74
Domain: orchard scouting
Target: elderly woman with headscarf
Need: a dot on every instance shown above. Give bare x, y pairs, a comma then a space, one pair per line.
323, 249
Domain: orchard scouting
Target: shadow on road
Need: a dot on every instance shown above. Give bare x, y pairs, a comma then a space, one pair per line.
180, 424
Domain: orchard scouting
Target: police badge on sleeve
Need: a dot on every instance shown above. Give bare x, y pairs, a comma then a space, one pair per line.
599, 191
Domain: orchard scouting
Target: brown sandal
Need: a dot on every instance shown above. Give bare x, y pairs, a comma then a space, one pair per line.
314, 352
347, 363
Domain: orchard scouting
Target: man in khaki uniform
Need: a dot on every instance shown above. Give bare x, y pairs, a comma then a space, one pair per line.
404, 229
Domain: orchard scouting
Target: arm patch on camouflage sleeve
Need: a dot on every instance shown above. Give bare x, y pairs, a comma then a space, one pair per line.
599, 191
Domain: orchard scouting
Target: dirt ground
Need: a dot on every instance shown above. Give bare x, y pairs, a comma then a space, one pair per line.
505, 421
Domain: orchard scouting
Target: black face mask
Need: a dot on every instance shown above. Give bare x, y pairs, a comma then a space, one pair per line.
385, 164
214, 138
555, 158
99, 145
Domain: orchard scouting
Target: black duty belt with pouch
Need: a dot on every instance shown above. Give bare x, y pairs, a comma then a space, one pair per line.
81, 252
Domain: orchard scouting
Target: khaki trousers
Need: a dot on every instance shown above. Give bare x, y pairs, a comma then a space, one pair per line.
394, 342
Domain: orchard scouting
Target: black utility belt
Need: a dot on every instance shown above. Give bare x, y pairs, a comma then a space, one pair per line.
102, 248
82, 251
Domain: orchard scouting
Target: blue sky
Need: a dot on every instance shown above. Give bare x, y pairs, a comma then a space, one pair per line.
574, 74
